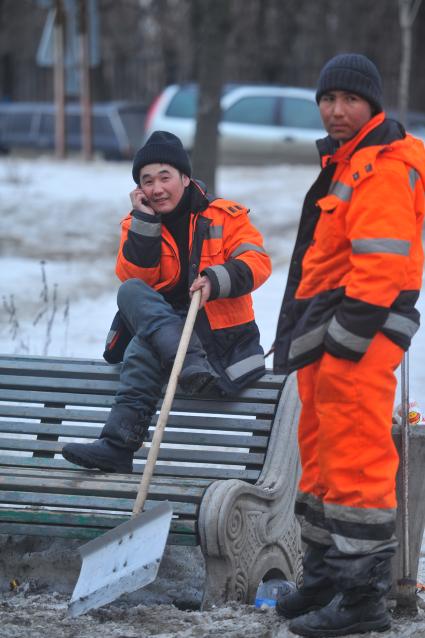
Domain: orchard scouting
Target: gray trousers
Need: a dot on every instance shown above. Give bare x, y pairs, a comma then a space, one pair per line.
146, 366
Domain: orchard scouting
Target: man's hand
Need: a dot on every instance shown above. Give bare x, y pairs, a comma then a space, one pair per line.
201, 283
139, 201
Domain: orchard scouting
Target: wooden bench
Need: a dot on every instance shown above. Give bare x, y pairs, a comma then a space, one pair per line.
229, 467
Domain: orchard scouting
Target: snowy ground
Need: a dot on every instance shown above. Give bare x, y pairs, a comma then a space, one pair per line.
66, 215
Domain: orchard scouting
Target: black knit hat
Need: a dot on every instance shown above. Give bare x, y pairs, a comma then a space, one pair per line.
162, 148
352, 72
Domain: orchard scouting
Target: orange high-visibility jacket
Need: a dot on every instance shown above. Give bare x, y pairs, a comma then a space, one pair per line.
224, 245
358, 260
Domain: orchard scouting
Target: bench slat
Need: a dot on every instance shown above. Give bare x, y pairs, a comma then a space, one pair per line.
204, 439
80, 367
250, 475
82, 519
89, 502
100, 416
188, 455
187, 540
105, 401
105, 386
53, 473
97, 487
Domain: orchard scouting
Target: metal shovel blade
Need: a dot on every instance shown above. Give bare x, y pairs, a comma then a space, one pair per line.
122, 560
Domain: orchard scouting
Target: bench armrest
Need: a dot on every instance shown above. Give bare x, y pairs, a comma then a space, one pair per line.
248, 530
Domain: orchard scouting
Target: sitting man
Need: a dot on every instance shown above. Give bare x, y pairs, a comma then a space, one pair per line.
177, 240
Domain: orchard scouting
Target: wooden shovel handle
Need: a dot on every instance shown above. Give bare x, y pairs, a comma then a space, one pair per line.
142, 492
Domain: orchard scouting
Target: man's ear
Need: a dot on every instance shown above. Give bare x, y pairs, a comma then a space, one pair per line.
186, 180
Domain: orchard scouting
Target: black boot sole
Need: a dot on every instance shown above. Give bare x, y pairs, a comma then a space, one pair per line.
198, 383
296, 614
94, 464
356, 628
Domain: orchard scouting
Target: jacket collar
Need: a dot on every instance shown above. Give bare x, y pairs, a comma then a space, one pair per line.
198, 197
377, 131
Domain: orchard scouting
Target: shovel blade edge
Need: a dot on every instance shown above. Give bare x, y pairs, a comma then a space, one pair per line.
124, 559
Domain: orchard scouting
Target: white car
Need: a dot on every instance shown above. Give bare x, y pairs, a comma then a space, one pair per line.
258, 123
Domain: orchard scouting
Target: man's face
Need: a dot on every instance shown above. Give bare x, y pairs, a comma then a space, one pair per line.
344, 114
163, 186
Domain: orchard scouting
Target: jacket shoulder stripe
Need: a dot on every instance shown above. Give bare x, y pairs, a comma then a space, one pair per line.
393, 246
413, 177
341, 190
147, 229
214, 232
245, 247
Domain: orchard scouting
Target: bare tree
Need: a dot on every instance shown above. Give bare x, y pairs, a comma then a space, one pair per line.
212, 32
408, 10
59, 79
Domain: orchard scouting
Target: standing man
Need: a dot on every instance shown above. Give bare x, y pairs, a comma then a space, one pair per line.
177, 240
347, 316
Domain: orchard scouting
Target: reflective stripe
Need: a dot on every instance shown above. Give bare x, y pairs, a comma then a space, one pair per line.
310, 500
346, 338
224, 282
110, 337
148, 229
313, 532
239, 369
215, 232
360, 546
413, 177
401, 324
394, 246
308, 341
364, 515
243, 248
341, 190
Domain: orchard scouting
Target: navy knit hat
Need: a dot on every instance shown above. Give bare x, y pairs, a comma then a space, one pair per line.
162, 148
352, 72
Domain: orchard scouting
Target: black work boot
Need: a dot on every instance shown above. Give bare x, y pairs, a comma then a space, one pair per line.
344, 615
123, 434
197, 375
317, 589
101, 455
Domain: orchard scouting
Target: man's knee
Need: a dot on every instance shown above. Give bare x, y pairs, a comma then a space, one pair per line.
128, 290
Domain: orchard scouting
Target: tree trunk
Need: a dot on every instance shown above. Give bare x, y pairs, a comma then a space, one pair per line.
59, 80
211, 34
85, 89
408, 10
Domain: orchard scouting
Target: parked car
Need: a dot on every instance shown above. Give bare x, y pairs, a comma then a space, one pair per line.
117, 127
258, 123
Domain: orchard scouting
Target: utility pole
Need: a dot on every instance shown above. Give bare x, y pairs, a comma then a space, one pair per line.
85, 94
59, 79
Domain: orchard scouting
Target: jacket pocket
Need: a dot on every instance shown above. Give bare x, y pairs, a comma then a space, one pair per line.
330, 227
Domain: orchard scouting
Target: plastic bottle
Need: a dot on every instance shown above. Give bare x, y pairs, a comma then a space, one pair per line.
269, 591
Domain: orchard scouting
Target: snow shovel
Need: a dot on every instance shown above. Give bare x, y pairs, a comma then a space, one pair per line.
127, 557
